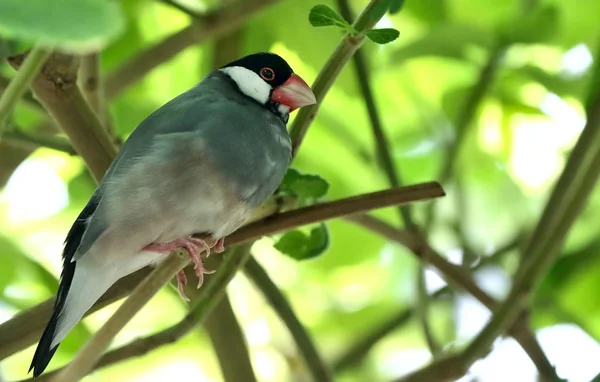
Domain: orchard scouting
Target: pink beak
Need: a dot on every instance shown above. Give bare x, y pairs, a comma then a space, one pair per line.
294, 93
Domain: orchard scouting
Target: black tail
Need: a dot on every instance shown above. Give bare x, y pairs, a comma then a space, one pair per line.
43, 352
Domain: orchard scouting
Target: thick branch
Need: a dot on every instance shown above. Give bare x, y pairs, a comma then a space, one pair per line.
211, 25
56, 88
23, 329
317, 367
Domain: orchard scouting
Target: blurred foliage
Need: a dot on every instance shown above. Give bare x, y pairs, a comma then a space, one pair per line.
512, 153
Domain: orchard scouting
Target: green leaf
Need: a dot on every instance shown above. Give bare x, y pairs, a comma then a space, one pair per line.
323, 16
306, 187
539, 25
297, 245
383, 35
73, 25
396, 6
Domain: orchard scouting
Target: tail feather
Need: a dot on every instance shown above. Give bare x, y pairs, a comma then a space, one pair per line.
45, 351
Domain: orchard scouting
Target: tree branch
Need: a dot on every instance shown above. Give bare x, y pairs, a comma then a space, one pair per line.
317, 367
18, 85
213, 24
567, 200
23, 329
344, 51
33, 142
363, 345
56, 88
459, 278
89, 355
229, 343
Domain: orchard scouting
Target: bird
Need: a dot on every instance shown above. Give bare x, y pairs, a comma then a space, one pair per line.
201, 163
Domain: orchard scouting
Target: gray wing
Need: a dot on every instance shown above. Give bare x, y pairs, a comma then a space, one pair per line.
244, 142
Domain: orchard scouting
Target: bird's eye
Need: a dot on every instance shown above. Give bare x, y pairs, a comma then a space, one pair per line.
267, 74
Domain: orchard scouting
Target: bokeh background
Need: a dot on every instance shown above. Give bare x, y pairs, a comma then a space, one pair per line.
523, 126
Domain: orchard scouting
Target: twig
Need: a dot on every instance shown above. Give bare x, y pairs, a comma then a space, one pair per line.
22, 330
213, 24
56, 88
89, 355
317, 367
344, 51
18, 85
39, 140
459, 278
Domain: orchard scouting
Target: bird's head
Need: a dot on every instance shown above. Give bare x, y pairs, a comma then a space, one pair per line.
268, 79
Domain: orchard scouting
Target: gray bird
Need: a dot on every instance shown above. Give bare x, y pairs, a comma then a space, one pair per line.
200, 163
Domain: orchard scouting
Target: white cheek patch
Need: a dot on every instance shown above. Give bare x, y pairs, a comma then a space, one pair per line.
249, 83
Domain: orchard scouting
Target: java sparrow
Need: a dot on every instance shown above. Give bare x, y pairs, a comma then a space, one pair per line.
199, 164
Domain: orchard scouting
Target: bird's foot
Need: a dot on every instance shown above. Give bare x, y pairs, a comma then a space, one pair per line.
195, 247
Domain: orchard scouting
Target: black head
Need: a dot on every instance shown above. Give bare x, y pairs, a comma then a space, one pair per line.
269, 66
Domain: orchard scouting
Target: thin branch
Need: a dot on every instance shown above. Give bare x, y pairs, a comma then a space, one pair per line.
388, 165
344, 51
89, 355
460, 279
572, 190
23, 329
212, 25
27, 97
56, 88
18, 85
317, 367
465, 116
357, 351
39, 140
568, 199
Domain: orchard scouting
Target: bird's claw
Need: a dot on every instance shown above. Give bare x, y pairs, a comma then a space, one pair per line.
194, 247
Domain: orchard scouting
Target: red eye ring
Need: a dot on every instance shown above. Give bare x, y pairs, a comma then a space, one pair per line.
267, 74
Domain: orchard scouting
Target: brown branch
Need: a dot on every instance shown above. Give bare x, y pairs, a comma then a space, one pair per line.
459, 278
32, 142
23, 329
56, 88
228, 340
259, 277
211, 25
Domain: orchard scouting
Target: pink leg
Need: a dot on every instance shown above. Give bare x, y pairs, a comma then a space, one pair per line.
195, 247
